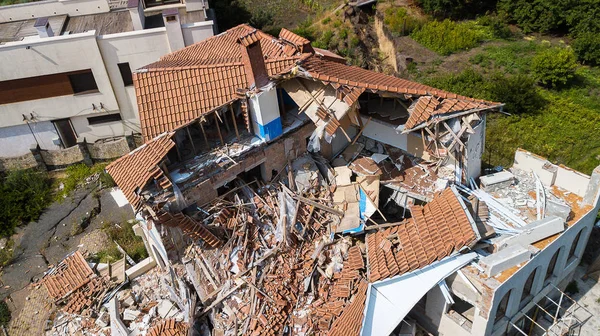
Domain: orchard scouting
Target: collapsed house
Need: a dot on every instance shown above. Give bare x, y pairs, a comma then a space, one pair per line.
288, 193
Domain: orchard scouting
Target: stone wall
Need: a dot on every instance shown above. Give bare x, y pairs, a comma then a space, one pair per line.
88, 153
108, 149
18, 162
60, 158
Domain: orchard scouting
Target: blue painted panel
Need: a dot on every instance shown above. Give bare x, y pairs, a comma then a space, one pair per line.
362, 205
271, 130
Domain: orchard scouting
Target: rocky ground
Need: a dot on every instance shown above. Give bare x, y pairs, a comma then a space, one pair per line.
65, 226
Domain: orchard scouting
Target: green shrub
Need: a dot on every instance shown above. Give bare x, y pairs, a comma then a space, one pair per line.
4, 314
468, 83
337, 23
305, 30
554, 66
498, 27
24, 194
78, 173
446, 37
326, 20
587, 48
399, 22
457, 9
519, 93
261, 18
324, 40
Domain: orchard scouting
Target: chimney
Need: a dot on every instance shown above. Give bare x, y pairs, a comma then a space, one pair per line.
136, 11
254, 62
43, 27
173, 25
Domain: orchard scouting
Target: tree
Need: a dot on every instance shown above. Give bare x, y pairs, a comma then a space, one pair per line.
518, 93
554, 66
587, 48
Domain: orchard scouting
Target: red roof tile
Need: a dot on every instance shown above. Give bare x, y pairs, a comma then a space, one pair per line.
169, 327
350, 322
134, 170
71, 274
435, 231
428, 106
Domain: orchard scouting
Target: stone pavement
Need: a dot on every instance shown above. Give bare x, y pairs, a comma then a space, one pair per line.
31, 320
588, 297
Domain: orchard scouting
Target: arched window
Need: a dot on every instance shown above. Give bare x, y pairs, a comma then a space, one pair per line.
552, 265
527, 288
502, 306
574, 246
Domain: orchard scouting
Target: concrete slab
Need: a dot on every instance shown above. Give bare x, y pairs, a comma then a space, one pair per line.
504, 259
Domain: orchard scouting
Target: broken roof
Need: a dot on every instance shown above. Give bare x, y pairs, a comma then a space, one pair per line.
134, 170
435, 231
72, 273
203, 77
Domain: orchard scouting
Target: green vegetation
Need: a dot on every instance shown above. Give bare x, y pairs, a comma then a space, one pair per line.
554, 66
13, 2
78, 173
4, 313
399, 22
6, 254
587, 48
456, 9
24, 194
447, 37
124, 235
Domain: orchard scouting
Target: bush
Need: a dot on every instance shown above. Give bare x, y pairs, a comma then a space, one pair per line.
498, 28
468, 83
77, 174
457, 9
305, 30
554, 66
326, 20
399, 22
324, 41
24, 194
519, 93
587, 48
4, 314
446, 37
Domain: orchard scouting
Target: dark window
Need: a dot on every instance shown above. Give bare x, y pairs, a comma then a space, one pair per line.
126, 73
552, 265
39, 87
65, 132
104, 118
83, 81
528, 286
574, 246
501, 311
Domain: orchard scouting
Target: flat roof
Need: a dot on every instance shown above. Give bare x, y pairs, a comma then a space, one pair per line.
102, 23
18, 30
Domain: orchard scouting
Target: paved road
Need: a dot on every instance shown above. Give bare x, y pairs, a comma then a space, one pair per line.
47, 241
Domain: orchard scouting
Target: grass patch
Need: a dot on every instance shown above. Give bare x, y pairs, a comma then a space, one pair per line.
447, 37
399, 22
124, 235
76, 176
6, 254
24, 195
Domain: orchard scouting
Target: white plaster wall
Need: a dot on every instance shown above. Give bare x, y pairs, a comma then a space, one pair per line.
564, 269
475, 146
31, 10
17, 140
138, 48
385, 133
49, 56
196, 32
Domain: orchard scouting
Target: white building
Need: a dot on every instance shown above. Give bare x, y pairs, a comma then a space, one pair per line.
65, 66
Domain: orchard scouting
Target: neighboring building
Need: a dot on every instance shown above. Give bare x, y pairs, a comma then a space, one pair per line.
454, 258
66, 66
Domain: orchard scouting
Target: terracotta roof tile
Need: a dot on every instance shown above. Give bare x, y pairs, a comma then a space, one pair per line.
190, 227
350, 322
169, 328
428, 106
72, 273
136, 169
435, 230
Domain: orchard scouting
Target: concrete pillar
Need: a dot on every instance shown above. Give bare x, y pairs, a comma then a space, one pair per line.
136, 11
593, 187
264, 111
43, 27
173, 26
85, 152
37, 155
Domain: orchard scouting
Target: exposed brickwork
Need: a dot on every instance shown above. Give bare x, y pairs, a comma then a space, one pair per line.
169, 328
